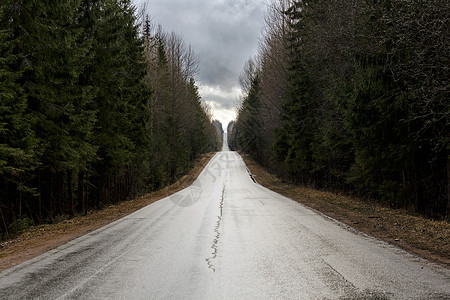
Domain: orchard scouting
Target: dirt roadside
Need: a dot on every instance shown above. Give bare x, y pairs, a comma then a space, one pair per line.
427, 238
43, 238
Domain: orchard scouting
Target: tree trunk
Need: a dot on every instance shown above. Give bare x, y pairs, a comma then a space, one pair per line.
447, 213
70, 193
81, 192
51, 197
20, 201
39, 198
60, 192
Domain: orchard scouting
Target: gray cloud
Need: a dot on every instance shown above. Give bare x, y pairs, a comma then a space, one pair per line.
225, 102
223, 33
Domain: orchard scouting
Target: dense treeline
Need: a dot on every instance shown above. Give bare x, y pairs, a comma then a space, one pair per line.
94, 108
181, 126
353, 96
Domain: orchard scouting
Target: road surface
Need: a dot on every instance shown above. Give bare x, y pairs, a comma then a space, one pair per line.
226, 237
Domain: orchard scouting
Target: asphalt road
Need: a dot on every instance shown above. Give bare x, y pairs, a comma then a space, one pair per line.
226, 237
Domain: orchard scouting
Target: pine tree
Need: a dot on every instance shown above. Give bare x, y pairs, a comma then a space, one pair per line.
17, 137
293, 144
57, 58
117, 71
250, 138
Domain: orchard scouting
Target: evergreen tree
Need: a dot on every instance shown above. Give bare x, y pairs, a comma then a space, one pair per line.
17, 137
117, 71
293, 144
250, 138
62, 105
364, 109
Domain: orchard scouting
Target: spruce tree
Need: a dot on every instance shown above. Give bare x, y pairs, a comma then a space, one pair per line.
62, 104
117, 72
17, 138
293, 144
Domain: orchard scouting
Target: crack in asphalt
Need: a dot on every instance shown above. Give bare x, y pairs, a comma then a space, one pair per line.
216, 230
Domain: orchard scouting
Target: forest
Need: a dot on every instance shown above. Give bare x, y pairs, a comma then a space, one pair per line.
98, 105
353, 96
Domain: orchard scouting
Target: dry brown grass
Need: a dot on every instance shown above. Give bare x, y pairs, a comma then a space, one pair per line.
416, 234
43, 238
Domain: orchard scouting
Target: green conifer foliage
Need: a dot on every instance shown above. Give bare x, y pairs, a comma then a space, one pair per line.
87, 116
366, 107
17, 139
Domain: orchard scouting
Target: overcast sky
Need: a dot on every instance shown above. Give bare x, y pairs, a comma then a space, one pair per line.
223, 33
